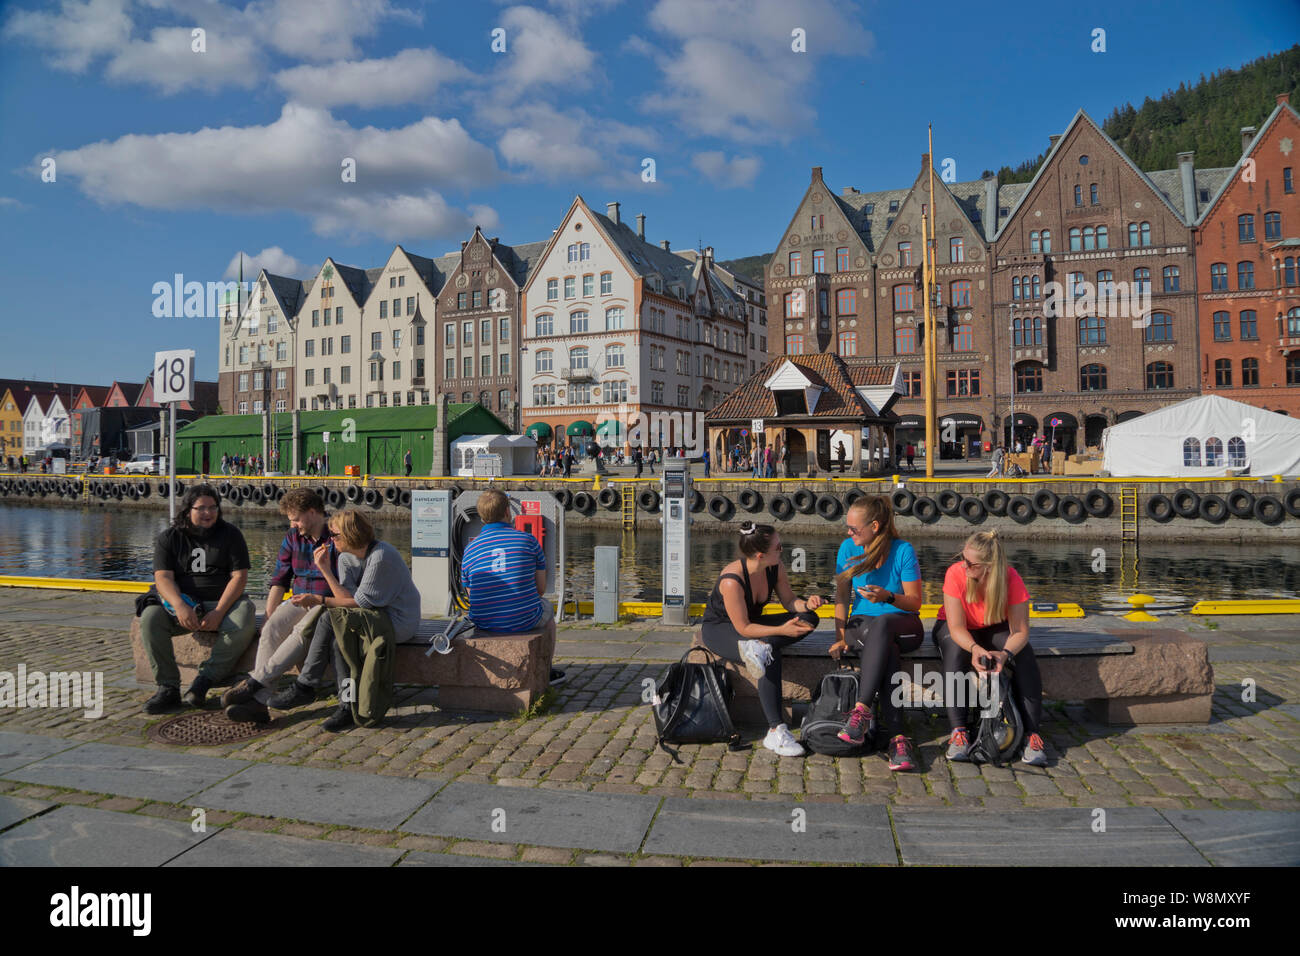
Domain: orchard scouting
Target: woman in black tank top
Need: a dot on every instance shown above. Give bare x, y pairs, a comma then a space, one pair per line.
736, 628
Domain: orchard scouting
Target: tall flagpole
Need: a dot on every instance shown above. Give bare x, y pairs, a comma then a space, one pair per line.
927, 278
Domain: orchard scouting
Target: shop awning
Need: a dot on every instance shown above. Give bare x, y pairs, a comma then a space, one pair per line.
610, 428
961, 420
579, 428
539, 430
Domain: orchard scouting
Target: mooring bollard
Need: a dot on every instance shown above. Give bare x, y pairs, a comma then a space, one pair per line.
1139, 614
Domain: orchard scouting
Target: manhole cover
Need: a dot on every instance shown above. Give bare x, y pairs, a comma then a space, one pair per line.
205, 729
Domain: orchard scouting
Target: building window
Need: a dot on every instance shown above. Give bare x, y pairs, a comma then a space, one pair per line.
904, 297
794, 345
243, 381
1272, 226
1094, 195
1092, 330
383, 308
545, 324
410, 310
1250, 373
282, 351
281, 379
1142, 281
842, 259
1288, 271
683, 395
476, 299
545, 360
467, 333
1293, 323
1170, 274
615, 392
1293, 368
570, 285
848, 343
552, 290
1076, 239
614, 356
588, 286
1160, 328
1015, 288
606, 283
1103, 237
503, 399
819, 261
614, 319
243, 407
467, 366
1078, 195
1246, 228
905, 341
1191, 453
657, 393
449, 334
961, 294
450, 371
578, 358
573, 252
1027, 332
315, 318
904, 253
1029, 377
503, 363
1160, 375
796, 264
1047, 240
1223, 373
846, 302
963, 339
1219, 277
956, 251
1222, 327
1213, 453
345, 375
963, 382
1089, 238
578, 321
911, 384
376, 341
484, 363
1139, 233
1287, 184
1034, 244
309, 348
1092, 378
310, 377
794, 304
1248, 326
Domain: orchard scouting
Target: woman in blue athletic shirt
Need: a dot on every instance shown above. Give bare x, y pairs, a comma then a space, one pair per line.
879, 574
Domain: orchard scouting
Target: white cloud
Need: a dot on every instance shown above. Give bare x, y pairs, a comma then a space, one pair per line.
321, 30
291, 164
168, 62
424, 216
410, 76
8, 202
554, 143
77, 34
542, 51
273, 259
735, 74
734, 173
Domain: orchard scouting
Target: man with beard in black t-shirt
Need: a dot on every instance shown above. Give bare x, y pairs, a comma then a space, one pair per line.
200, 570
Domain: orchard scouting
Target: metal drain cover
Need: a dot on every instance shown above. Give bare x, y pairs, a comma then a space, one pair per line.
206, 729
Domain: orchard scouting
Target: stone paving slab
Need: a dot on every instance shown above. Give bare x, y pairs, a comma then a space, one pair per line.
1040, 838
81, 836
340, 797
829, 833
1250, 653
150, 773
568, 650
243, 849
590, 821
1241, 837
17, 750
14, 809
424, 858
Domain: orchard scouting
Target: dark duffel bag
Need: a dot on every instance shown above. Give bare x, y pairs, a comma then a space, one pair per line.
835, 699
691, 703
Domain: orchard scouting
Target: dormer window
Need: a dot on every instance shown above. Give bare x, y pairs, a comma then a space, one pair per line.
791, 402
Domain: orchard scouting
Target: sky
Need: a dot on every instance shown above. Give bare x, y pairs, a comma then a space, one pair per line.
134, 149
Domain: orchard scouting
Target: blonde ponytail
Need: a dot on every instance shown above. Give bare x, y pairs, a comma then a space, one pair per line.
988, 545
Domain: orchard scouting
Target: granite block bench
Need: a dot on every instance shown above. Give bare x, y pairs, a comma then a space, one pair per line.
1156, 676
499, 673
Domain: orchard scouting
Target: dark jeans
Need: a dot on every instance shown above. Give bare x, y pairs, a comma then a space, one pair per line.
723, 639
883, 639
1026, 683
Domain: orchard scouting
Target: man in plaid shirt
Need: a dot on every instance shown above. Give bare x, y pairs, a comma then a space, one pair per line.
284, 643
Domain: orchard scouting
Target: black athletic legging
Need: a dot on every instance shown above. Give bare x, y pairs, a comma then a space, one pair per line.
1026, 683
723, 639
883, 638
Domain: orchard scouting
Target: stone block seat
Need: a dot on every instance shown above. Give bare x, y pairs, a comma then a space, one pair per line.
1157, 676
499, 673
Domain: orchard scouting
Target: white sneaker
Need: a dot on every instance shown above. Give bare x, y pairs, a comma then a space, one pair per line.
755, 655
781, 741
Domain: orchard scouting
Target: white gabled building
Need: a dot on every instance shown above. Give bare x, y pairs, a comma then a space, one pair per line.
614, 326
257, 347
398, 309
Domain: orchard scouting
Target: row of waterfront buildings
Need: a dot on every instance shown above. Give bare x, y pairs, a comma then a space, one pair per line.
1172, 283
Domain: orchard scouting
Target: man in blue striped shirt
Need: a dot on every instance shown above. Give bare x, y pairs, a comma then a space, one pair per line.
503, 571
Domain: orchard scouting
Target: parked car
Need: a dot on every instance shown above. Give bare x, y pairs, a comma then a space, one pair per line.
145, 465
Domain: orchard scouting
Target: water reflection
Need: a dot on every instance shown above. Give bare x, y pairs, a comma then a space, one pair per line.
100, 543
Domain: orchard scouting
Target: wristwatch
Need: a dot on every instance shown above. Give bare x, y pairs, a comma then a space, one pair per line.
891, 598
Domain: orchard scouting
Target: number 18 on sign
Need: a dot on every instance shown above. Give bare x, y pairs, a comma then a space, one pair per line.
173, 376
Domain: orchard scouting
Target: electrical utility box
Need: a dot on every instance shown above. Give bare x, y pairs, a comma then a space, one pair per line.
431, 550
676, 517
605, 592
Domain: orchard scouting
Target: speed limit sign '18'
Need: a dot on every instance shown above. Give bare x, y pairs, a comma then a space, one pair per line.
173, 376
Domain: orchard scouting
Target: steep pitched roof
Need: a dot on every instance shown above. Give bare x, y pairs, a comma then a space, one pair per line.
839, 399
521, 260
1245, 155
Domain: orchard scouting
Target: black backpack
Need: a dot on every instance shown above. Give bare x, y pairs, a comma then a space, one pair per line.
835, 699
692, 701
1000, 730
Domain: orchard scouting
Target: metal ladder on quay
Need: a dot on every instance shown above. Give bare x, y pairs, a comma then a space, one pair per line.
628, 501
1128, 514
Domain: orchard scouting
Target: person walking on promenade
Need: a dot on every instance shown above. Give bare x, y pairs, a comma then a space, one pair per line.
996, 465
406, 462
911, 456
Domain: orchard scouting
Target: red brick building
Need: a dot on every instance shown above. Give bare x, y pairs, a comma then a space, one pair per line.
1248, 257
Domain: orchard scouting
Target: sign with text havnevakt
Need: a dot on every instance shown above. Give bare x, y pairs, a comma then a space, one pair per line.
173, 376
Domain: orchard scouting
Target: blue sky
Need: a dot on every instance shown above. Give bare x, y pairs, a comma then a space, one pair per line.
170, 160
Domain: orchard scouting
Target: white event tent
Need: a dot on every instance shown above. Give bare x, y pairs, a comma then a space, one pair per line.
1201, 438
518, 454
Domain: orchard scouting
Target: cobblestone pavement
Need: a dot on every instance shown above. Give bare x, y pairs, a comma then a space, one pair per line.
598, 735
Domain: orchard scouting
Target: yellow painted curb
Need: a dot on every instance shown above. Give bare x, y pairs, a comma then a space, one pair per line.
1277, 606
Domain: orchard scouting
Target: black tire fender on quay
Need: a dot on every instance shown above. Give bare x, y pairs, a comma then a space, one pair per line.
804, 501
853, 495
925, 510
995, 500
584, 503
1241, 503
372, 497
352, 492
1186, 503
781, 507
1292, 502
1160, 508
1099, 503
648, 500
1021, 509
391, 494
1213, 509
608, 498
404, 499
903, 501
563, 497
1045, 503
720, 507
258, 497
829, 507
697, 502
1071, 508
972, 509
751, 500
1269, 509
948, 501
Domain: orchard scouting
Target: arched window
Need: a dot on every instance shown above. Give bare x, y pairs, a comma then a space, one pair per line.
578, 321
904, 297
963, 339
794, 304
578, 357
1213, 453
1160, 328
1223, 373
545, 360
1047, 240
1094, 195
1236, 453
1092, 330
1034, 283
1142, 281
1160, 375
1219, 277
1246, 228
485, 399
614, 356
1133, 234
1078, 195
1170, 274
1026, 332
1092, 378
1146, 233
1015, 287
1272, 226
1103, 237
1293, 323
1076, 239
1245, 275
1293, 369
1089, 238
1034, 244
1288, 271
1029, 377
614, 319
1191, 453
796, 264
848, 343
905, 341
